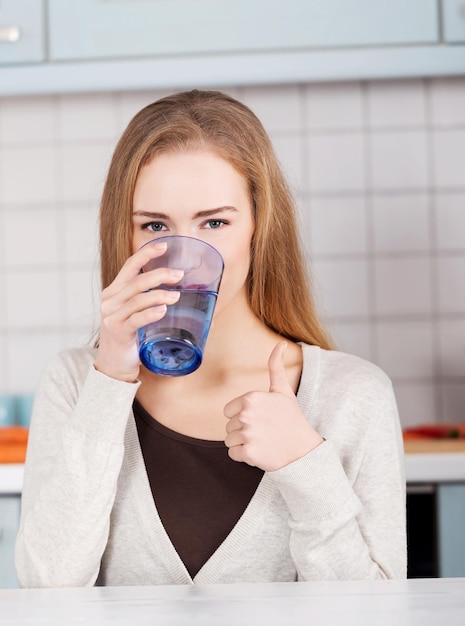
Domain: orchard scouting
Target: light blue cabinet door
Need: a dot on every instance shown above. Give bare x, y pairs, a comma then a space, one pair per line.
22, 31
9, 521
453, 20
98, 29
451, 529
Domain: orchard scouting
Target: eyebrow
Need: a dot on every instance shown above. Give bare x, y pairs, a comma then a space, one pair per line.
206, 213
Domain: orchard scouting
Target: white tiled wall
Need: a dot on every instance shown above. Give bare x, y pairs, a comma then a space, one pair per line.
378, 172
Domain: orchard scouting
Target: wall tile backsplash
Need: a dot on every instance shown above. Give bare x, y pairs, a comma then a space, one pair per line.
378, 172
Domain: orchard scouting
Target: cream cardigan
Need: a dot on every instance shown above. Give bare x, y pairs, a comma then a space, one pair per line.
88, 515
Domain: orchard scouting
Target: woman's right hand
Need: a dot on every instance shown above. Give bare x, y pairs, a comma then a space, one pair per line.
130, 302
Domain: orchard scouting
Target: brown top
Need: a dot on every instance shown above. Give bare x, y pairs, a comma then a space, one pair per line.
199, 492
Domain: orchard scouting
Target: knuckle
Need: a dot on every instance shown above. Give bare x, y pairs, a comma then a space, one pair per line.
244, 418
245, 438
110, 325
234, 453
251, 398
152, 313
142, 282
247, 403
248, 455
107, 294
105, 309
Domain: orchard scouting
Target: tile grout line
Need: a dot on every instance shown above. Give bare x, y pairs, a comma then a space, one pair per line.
4, 367
432, 208
59, 102
369, 215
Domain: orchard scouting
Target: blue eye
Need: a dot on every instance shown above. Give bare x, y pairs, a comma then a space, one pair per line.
155, 227
214, 224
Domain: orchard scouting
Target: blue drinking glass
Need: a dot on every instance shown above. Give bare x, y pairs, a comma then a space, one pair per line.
174, 345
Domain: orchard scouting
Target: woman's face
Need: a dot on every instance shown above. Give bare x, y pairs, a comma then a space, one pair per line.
198, 194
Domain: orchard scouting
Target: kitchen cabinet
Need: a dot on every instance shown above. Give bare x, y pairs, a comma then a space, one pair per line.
109, 45
22, 33
435, 528
422, 531
453, 18
436, 510
11, 482
451, 529
9, 521
89, 29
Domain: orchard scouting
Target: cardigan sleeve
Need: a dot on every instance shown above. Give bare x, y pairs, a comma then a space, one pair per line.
347, 513
74, 457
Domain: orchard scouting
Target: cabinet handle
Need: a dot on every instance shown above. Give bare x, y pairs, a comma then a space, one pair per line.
9, 34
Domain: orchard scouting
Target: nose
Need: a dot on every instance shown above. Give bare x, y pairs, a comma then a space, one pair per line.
183, 253
181, 232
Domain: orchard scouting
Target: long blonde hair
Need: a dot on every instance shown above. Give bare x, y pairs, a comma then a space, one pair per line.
278, 282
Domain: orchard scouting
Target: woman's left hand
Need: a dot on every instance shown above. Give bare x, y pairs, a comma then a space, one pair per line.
267, 429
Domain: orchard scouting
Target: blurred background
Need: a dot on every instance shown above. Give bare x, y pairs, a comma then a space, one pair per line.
365, 104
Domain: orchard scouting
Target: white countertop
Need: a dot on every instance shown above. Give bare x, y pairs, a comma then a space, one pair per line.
420, 468
435, 467
11, 478
420, 602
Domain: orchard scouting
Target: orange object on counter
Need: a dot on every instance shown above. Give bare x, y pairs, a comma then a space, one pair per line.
435, 431
13, 444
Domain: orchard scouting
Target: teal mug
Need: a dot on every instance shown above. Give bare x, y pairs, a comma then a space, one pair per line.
7, 410
24, 404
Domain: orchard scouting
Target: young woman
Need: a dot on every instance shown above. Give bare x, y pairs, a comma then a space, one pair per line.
279, 459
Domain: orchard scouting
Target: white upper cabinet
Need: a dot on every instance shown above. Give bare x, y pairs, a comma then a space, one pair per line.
108, 29
22, 31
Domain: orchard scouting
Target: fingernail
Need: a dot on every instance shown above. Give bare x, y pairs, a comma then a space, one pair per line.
160, 245
177, 273
173, 296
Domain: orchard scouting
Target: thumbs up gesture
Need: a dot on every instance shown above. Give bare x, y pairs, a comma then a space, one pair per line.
267, 429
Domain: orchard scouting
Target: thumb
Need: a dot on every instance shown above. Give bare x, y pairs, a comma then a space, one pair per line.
278, 378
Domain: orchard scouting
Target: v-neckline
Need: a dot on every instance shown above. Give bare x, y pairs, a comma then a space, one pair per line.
147, 511
156, 533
